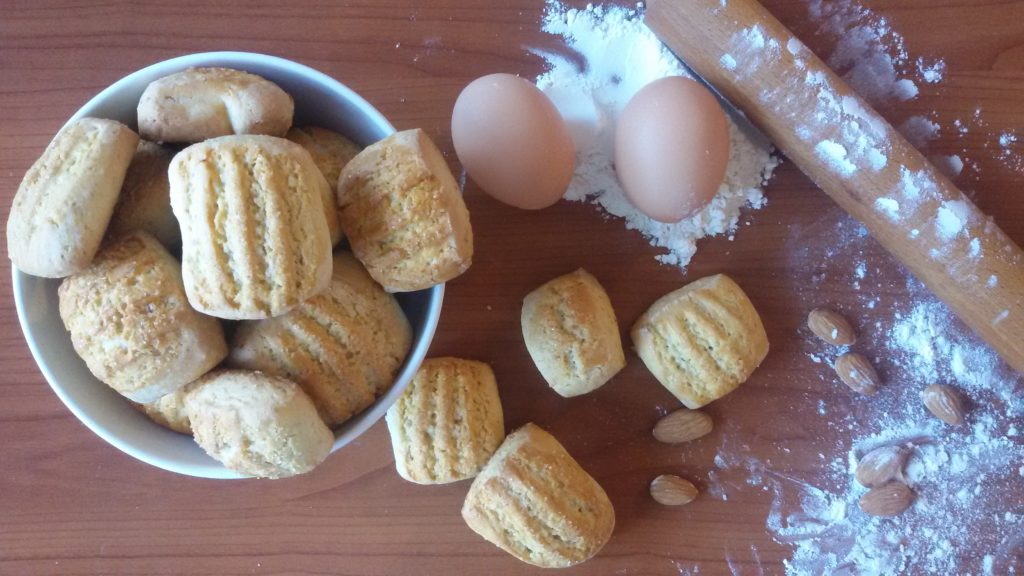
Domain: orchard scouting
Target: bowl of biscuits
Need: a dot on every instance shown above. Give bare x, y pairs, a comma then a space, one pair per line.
231, 265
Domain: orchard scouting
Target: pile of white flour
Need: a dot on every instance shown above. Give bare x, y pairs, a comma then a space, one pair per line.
619, 56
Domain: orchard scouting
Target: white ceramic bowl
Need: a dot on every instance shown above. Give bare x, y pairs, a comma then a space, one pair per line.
319, 99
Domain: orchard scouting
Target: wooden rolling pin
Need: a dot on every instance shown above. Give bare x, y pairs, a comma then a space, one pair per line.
856, 157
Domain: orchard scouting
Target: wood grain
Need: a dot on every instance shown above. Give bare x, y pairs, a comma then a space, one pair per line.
71, 504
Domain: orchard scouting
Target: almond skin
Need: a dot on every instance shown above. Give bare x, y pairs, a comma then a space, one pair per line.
881, 465
889, 499
683, 426
857, 372
944, 403
672, 490
831, 327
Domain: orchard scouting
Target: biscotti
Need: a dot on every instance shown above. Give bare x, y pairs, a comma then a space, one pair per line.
64, 203
401, 209
535, 502
331, 152
145, 199
201, 103
701, 341
343, 347
254, 239
571, 333
169, 411
257, 424
447, 423
131, 323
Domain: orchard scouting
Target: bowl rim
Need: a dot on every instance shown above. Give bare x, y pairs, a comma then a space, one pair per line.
368, 417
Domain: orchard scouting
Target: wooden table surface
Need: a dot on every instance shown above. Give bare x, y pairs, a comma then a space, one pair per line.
71, 504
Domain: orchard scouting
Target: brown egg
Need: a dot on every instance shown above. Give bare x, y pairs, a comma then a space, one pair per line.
512, 141
671, 148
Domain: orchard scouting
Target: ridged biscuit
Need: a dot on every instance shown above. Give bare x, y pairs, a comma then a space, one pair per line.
701, 341
169, 411
254, 239
145, 199
401, 209
447, 423
571, 333
535, 502
257, 424
201, 103
64, 203
130, 321
344, 347
331, 152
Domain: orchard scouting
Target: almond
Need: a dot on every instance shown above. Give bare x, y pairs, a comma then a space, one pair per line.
831, 327
857, 372
888, 499
672, 490
943, 402
682, 426
881, 465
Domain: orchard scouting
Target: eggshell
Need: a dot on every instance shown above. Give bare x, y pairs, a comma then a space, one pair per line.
512, 141
671, 148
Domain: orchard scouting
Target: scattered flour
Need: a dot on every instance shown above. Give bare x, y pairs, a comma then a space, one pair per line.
621, 55
919, 131
968, 517
869, 55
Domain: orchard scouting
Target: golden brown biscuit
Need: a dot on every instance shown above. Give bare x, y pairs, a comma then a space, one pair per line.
701, 341
402, 212
169, 411
344, 347
145, 199
130, 321
64, 203
331, 152
254, 239
257, 424
447, 423
201, 103
571, 333
536, 503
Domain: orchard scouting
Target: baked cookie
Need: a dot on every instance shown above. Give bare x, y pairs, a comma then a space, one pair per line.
64, 203
145, 199
344, 347
447, 423
402, 212
169, 411
254, 239
701, 341
201, 103
331, 152
257, 424
536, 503
571, 333
130, 321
